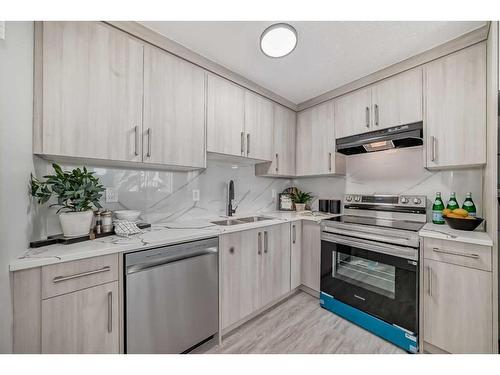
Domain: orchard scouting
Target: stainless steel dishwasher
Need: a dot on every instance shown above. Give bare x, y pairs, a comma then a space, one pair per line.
171, 297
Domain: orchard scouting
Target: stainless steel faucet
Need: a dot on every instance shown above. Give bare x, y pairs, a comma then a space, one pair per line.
230, 197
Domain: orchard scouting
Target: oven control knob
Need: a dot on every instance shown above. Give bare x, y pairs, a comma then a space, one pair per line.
348, 198
404, 200
417, 201
357, 198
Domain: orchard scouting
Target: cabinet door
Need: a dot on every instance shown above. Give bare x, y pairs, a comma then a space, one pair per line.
275, 263
92, 92
225, 117
240, 275
311, 254
174, 110
316, 141
397, 100
85, 321
457, 308
295, 254
455, 109
353, 113
258, 127
284, 141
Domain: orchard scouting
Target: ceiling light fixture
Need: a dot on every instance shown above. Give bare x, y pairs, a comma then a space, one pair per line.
278, 40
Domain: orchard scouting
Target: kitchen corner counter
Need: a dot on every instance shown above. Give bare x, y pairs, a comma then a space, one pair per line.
444, 232
162, 234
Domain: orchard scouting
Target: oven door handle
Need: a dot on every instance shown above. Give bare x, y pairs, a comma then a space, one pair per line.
397, 251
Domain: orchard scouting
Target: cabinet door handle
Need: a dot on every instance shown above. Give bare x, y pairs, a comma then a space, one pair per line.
265, 242
231, 250
277, 163
248, 143
294, 233
330, 161
242, 139
110, 312
367, 111
429, 281
449, 252
59, 279
376, 115
433, 148
136, 141
259, 243
149, 143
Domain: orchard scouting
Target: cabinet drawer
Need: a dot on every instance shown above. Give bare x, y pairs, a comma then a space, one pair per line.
463, 254
68, 277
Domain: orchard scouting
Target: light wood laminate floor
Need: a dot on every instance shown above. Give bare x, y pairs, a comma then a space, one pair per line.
299, 325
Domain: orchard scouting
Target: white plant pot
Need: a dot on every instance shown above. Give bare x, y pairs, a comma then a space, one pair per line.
300, 206
76, 224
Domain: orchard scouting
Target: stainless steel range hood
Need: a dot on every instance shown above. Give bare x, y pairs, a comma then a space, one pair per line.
396, 137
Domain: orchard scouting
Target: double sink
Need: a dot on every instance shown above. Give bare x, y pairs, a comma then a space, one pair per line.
242, 220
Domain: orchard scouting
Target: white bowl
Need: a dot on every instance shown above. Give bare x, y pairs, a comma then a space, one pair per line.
130, 215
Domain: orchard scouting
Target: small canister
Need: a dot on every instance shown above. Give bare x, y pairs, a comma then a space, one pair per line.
323, 205
334, 206
107, 222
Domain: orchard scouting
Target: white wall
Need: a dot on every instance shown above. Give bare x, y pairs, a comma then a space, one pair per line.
16, 161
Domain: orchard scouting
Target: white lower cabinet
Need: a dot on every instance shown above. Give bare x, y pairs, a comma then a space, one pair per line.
254, 270
82, 322
295, 254
457, 311
311, 255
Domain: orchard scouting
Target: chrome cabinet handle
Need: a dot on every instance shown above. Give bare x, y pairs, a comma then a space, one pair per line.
277, 163
110, 312
242, 139
449, 252
248, 143
149, 143
367, 117
265, 242
433, 150
330, 161
59, 279
429, 281
136, 140
259, 245
376, 115
294, 233
231, 250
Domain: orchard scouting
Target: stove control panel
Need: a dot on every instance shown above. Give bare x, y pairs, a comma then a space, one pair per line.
392, 200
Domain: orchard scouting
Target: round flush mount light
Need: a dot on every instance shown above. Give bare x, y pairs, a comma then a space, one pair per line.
278, 40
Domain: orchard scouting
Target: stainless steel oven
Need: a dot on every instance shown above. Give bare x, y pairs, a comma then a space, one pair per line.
379, 279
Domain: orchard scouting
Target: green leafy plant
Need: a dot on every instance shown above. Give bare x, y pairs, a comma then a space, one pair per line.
77, 190
301, 197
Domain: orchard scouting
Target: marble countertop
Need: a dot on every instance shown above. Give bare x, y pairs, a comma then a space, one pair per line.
168, 233
444, 232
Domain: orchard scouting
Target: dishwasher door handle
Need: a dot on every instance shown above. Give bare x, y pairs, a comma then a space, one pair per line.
169, 258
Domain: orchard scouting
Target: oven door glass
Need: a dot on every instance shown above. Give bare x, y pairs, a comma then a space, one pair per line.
382, 285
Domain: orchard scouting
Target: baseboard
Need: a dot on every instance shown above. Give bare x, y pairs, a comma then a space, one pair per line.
308, 290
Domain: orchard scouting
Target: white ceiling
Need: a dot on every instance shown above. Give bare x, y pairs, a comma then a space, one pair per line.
328, 54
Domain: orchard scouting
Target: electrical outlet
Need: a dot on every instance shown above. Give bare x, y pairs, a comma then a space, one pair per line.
2, 30
111, 195
273, 193
196, 195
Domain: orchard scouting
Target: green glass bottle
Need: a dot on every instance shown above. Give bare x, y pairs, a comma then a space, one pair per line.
437, 210
469, 205
452, 203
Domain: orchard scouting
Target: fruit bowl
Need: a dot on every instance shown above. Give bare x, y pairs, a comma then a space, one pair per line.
463, 224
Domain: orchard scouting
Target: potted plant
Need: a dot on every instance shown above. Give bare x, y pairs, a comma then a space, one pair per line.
77, 191
301, 198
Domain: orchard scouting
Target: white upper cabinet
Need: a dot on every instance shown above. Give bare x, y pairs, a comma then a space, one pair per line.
239, 122
397, 100
258, 127
283, 152
91, 100
225, 117
455, 109
174, 110
391, 102
315, 143
353, 113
